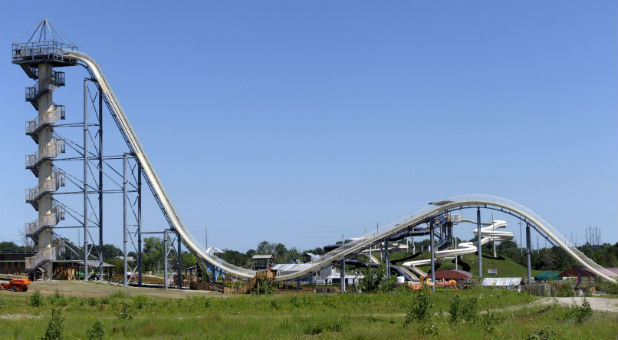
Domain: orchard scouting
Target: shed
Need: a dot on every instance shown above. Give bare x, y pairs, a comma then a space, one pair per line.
503, 282
578, 273
453, 275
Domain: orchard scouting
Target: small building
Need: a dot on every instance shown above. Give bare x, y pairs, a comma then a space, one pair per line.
262, 262
14, 262
457, 275
514, 283
578, 273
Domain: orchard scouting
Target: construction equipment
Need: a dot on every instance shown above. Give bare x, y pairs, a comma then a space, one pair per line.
16, 285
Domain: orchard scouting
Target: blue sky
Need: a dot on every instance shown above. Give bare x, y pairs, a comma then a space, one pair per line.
300, 121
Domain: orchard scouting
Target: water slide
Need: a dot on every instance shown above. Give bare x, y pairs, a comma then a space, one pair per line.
488, 234
405, 224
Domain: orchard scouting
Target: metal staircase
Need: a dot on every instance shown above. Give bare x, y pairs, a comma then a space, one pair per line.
49, 186
49, 220
50, 151
45, 255
51, 117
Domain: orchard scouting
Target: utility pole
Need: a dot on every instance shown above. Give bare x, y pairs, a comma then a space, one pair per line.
528, 260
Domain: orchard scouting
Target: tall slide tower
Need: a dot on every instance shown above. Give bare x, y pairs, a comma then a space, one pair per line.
38, 57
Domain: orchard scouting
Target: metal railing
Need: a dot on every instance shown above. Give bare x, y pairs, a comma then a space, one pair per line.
32, 93
51, 150
57, 78
47, 254
50, 117
49, 220
51, 184
44, 50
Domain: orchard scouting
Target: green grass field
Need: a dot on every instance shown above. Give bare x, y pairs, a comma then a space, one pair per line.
348, 316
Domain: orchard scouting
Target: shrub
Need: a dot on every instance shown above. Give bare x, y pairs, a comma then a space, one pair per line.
565, 290
273, 304
141, 301
58, 299
298, 302
580, 313
55, 326
420, 309
469, 308
463, 309
35, 299
387, 284
607, 287
96, 332
263, 287
545, 333
126, 312
375, 280
490, 320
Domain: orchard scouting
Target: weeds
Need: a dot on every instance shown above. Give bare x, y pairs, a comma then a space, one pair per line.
96, 332
273, 304
545, 333
490, 321
35, 299
463, 309
55, 326
420, 309
565, 290
580, 313
126, 312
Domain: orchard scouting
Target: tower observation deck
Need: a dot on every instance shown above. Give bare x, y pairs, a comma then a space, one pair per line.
44, 50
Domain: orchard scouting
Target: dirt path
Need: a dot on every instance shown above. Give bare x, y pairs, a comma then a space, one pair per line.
596, 303
100, 289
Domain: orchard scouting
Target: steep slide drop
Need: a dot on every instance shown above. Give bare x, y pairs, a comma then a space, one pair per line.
348, 249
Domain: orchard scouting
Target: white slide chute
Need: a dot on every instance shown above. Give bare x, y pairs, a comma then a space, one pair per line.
488, 234
348, 249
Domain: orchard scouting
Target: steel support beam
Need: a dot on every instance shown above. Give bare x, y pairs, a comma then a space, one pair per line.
387, 259
100, 188
124, 218
528, 260
478, 244
179, 262
165, 259
85, 184
433, 257
342, 275
139, 224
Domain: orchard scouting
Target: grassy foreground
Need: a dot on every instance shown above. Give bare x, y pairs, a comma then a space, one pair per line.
349, 316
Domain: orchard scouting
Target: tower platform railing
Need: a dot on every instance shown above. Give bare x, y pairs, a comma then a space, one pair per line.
42, 51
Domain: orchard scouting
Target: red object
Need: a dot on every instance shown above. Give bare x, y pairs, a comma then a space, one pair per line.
16, 285
453, 275
577, 272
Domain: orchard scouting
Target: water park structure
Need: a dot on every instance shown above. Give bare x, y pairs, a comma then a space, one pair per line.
48, 49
